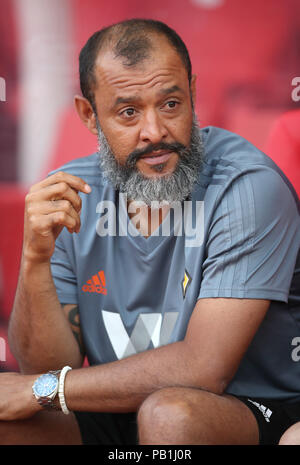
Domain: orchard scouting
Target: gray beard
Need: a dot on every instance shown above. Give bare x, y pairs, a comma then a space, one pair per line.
174, 187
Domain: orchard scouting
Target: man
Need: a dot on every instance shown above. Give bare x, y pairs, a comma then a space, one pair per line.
190, 335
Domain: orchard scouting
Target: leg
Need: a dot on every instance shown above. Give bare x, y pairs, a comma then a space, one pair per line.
291, 437
42, 429
192, 416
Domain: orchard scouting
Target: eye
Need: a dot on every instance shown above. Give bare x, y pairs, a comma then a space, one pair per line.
128, 112
171, 104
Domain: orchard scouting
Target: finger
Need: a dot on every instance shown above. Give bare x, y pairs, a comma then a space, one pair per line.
61, 218
59, 191
47, 223
66, 207
75, 182
48, 207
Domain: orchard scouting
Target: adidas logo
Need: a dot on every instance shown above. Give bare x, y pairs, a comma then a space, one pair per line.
97, 284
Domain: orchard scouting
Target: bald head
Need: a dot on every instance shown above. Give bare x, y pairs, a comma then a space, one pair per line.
131, 41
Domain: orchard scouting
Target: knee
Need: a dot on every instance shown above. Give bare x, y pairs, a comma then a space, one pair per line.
166, 410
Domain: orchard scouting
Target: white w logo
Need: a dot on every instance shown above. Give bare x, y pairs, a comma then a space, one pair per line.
148, 327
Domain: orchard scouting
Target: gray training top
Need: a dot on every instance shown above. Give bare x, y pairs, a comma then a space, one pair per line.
238, 237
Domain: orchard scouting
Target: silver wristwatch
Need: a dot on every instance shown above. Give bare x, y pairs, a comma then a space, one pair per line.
45, 389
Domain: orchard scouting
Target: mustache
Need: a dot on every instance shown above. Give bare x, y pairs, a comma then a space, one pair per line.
134, 156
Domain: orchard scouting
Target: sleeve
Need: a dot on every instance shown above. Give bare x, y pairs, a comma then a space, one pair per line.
253, 239
62, 269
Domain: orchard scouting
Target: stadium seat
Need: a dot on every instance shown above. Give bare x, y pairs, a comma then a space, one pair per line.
11, 237
7, 360
73, 140
283, 146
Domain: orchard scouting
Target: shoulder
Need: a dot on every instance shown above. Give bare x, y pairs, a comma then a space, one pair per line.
230, 160
225, 148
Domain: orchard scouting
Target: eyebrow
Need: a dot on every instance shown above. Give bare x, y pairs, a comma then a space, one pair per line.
170, 90
133, 98
125, 100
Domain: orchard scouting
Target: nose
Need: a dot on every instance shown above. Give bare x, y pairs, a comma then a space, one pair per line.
152, 128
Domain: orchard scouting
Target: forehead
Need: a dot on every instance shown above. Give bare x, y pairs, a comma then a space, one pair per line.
163, 67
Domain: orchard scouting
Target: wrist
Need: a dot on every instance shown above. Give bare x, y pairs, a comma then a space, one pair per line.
34, 405
45, 389
31, 266
32, 259
48, 390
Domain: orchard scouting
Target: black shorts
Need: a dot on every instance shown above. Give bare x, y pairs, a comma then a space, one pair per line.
273, 419
107, 428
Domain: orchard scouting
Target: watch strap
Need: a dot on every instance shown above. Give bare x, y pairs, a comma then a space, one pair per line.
47, 404
55, 372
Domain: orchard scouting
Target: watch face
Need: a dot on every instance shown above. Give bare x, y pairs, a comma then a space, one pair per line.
45, 385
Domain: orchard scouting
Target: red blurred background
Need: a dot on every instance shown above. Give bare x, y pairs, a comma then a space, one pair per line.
246, 55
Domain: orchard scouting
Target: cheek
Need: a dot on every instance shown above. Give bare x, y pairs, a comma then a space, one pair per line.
121, 142
180, 128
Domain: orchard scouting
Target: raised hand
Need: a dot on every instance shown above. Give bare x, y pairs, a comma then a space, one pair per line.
51, 205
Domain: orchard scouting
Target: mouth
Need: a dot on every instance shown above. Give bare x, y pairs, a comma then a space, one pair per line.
155, 158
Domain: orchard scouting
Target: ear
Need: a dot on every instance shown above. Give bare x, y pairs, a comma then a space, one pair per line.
86, 113
193, 88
